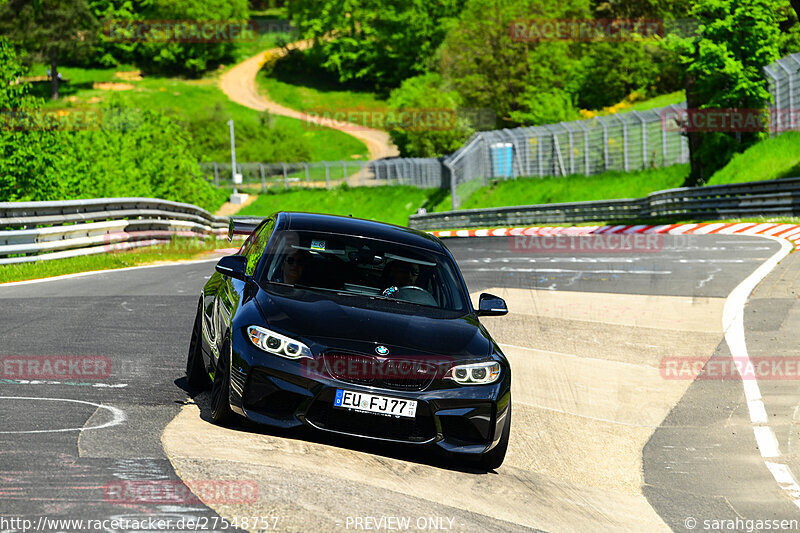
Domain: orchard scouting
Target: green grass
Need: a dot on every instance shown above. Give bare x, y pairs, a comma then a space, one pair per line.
577, 188
658, 101
392, 204
177, 249
773, 158
185, 99
81, 76
298, 83
265, 41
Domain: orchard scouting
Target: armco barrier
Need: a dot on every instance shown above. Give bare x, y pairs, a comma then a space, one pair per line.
37, 231
757, 198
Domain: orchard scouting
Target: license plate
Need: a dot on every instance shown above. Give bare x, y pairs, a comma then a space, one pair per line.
372, 403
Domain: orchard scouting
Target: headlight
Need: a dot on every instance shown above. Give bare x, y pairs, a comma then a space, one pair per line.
476, 374
277, 344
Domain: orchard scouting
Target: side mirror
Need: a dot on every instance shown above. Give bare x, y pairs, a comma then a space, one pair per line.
234, 266
491, 305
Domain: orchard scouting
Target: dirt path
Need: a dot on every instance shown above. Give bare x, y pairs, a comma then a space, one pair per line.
239, 84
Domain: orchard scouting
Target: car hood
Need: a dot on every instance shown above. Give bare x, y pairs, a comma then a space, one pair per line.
339, 321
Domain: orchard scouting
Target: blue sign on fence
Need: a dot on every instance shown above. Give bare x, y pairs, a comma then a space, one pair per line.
502, 158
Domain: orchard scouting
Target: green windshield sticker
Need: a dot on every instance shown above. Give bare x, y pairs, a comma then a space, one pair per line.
318, 245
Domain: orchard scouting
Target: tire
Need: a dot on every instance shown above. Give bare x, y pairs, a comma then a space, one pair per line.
196, 375
221, 412
494, 458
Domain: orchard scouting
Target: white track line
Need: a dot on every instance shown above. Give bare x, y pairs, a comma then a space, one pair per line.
118, 415
733, 326
93, 272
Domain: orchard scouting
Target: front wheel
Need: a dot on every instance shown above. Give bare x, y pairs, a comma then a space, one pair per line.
494, 458
221, 412
196, 376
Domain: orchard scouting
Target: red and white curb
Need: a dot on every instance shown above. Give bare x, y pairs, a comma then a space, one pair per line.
789, 232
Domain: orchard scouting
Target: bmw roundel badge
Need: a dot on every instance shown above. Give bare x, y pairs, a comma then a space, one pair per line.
382, 350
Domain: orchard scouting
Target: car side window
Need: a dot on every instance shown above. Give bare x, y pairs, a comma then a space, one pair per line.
260, 238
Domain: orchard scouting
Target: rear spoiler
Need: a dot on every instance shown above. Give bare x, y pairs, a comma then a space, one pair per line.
242, 226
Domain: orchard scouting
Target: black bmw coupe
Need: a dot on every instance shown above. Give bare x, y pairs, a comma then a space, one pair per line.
353, 327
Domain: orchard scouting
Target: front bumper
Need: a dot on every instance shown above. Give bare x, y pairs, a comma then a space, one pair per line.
276, 391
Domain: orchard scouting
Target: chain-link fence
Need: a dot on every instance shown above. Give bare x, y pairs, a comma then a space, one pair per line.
784, 85
418, 172
623, 141
635, 140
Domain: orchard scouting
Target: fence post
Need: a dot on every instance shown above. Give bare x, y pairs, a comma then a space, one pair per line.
777, 94
327, 175
216, 176
263, 178
285, 177
308, 180
664, 141
624, 141
539, 153
344, 172
453, 197
644, 138
605, 143
792, 111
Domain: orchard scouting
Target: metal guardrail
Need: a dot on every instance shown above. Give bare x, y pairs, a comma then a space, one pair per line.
757, 198
39, 231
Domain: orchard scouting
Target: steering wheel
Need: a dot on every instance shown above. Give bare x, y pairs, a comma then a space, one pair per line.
411, 293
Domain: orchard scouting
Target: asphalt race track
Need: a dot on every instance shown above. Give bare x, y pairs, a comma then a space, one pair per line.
602, 438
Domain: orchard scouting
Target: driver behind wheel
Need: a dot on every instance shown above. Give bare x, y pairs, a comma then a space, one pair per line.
400, 274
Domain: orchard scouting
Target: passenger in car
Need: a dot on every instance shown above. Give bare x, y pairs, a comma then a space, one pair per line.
293, 266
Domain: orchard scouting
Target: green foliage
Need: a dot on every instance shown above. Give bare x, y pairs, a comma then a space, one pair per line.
120, 44
258, 140
724, 64
27, 155
425, 94
133, 153
380, 41
50, 31
127, 153
612, 71
524, 82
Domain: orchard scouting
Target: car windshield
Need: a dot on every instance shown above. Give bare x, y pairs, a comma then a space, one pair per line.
353, 265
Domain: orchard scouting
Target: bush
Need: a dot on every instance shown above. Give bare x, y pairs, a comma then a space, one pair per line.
134, 153
427, 94
166, 57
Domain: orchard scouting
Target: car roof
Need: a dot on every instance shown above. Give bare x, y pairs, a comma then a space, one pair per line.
357, 226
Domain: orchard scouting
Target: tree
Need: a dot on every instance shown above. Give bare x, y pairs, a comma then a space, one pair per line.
523, 81
49, 30
381, 42
444, 126
27, 150
724, 63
